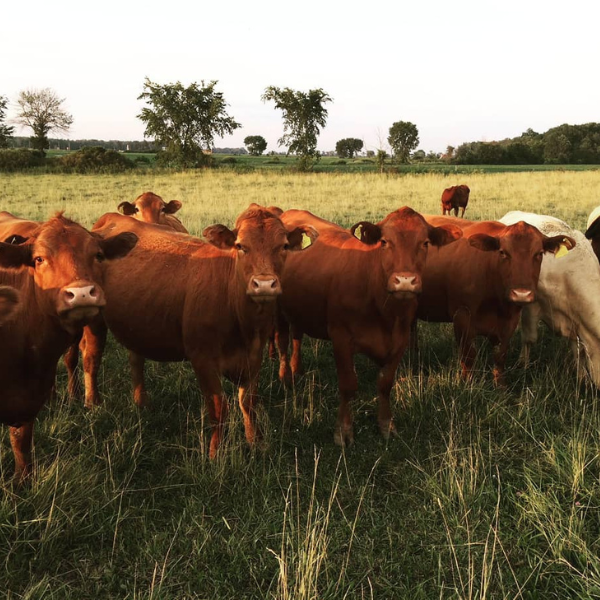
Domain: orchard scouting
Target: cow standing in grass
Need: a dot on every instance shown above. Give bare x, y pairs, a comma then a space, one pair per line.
180, 298
455, 197
362, 295
57, 271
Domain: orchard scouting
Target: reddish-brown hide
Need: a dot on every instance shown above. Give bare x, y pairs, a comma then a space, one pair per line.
151, 208
212, 304
57, 272
455, 197
480, 283
359, 293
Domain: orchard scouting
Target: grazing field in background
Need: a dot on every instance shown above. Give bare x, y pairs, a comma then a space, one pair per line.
485, 493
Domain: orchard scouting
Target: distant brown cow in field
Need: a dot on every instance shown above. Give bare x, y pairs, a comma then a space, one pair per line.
455, 197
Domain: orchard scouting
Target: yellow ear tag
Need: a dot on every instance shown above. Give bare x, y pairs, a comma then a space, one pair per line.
562, 251
306, 241
357, 232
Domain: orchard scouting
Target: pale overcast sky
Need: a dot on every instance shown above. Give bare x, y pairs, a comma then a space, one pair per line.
461, 70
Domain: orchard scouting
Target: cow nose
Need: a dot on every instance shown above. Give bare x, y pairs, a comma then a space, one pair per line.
80, 296
264, 287
521, 296
405, 282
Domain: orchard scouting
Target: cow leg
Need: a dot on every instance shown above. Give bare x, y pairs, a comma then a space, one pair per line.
464, 337
296, 360
414, 337
71, 360
500, 352
387, 375
136, 363
248, 398
209, 381
272, 352
92, 347
455, 211
20, 441
530, 316
348, 383
282, 340
462, 211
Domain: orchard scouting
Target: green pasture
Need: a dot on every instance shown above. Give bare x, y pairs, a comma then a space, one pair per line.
485, 493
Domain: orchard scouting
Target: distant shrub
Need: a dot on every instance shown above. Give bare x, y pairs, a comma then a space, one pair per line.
142, 160
360, 161
228, 160
273, 161
94, 159
18, 159
339, 162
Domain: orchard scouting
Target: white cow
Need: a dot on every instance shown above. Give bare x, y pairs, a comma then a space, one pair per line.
568, 295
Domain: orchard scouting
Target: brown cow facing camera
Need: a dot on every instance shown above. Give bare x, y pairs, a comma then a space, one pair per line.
210, 303
56, 269
481, 283
359, 293
455, 197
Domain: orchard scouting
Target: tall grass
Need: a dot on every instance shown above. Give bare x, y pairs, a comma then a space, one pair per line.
485, 493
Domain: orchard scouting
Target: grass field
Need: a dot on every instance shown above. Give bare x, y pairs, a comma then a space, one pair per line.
485, 493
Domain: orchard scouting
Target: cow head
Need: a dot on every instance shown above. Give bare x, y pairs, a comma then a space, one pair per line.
260, 243
65, 260
519, 251
149, 208
404, 238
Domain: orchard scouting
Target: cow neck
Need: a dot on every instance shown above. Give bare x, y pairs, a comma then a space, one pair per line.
36, 322
252, 318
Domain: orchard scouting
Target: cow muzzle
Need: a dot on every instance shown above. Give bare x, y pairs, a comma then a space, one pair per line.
264, 288
521, 296
400, 284
80, 302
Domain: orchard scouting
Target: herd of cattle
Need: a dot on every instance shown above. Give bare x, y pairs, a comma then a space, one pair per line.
275, 275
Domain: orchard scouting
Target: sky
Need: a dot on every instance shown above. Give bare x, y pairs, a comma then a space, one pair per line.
460, 70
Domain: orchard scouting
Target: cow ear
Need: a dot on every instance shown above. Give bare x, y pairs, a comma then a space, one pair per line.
485, 242
366, 232
172, 207
558, 244
15, 239
119, 245
220, 236
9, 302
440, 236
302, 237
593, 230
127, 208
275, 210
14, 256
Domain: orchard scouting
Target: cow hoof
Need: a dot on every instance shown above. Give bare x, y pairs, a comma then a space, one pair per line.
141, 400
285, 376
388, 429
343, 437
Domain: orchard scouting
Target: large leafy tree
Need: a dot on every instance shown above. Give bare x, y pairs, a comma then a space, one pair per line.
304, 115
403, 139
185, 120
256, 144
42, 111
6, 131
348, 147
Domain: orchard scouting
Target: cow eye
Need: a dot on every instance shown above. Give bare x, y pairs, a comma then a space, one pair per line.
240, 248
99, 257
426, 243
38, 260
286, 246
383, 242
136, 210
503, 254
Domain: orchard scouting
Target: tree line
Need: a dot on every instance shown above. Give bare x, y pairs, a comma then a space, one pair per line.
565, 144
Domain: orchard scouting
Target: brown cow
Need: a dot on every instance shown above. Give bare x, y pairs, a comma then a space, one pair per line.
361, 295
481, 283
57, 272
9, 303
212, 304
151, 208
455, 197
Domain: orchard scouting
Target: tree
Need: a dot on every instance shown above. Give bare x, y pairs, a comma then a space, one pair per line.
348, 147
403, 138
5, 130
184, 120
303, 114
42, 110
256, 144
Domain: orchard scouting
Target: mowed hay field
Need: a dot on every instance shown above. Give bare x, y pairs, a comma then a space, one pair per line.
485, 493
